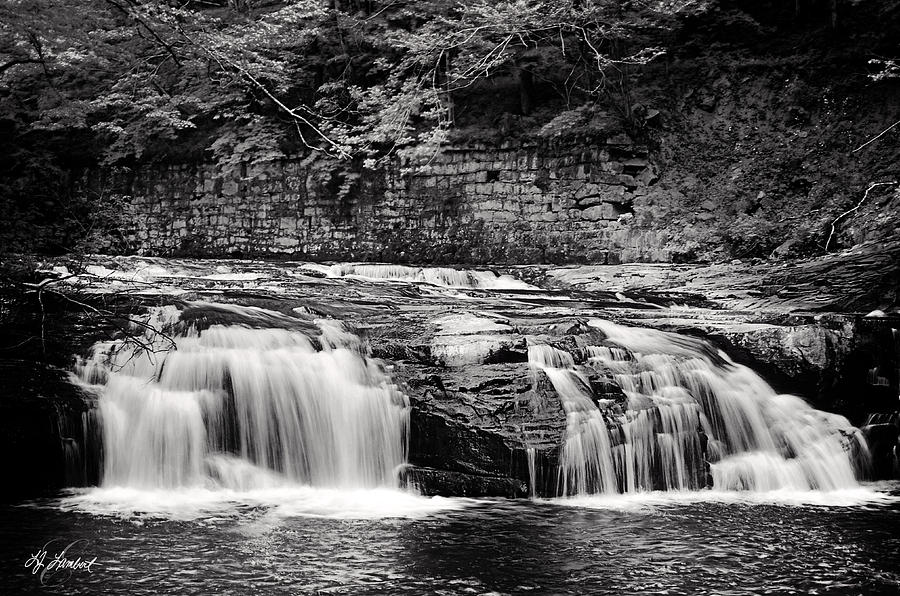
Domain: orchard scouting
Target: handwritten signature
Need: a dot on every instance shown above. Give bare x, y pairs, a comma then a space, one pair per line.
58, 568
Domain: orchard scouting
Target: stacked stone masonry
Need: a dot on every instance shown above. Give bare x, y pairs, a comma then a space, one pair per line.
475, 205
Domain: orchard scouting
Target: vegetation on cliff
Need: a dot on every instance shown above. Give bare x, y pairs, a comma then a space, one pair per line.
122, 82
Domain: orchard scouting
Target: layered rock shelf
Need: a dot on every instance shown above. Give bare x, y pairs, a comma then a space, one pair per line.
530, 202
485, 421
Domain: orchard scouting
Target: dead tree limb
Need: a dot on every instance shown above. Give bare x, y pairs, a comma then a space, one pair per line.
43, 287
856, 208
876, 137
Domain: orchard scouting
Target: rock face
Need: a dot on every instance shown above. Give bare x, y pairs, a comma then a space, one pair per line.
516, 203
883, 435
432, 481
806, 358
845, 364
481, 420
47, 431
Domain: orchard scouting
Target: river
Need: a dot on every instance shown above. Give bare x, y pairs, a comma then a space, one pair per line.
255, 436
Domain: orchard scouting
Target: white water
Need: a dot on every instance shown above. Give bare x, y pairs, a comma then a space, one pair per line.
586, 464
237, 408
680, 394
438, 276
873, 494
278, 502
530, 454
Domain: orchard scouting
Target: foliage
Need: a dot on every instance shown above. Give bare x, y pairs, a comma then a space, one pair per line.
887, 69
348, 78
120, 82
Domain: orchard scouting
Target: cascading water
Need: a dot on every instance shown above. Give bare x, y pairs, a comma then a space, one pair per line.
530, 455
241, 407
438, 276
689, 409
587, 464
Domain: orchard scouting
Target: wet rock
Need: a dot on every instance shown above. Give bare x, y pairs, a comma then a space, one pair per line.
803, 359
461, 350
603, 386
482, 420
202, 316
43, 436
431, 481
883, 438
794, 349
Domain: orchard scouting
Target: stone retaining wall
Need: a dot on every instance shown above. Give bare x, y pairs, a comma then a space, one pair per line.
476, 204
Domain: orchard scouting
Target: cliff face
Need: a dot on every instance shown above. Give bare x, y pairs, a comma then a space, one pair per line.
747, 140
762, 144
519, 203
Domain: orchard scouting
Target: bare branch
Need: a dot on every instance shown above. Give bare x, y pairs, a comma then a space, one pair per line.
876, 137
43, 287
849, 211
149, 29
224, 60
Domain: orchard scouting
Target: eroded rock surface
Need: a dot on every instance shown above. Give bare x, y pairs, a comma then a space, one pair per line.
485, 422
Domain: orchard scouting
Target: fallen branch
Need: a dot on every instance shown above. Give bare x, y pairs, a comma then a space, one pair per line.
875, 138
43, 287
858, 205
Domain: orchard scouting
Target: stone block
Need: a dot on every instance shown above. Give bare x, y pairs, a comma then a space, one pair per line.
286, 242
598, 212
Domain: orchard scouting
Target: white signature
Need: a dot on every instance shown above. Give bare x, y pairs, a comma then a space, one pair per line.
57, 569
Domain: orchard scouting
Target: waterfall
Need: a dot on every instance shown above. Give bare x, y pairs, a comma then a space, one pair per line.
244, 405
895, 333
587, 462
690, 412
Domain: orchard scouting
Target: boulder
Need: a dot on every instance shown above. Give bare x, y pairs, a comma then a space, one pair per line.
482, 420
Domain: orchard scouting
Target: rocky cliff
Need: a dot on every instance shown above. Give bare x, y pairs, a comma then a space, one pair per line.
758, 135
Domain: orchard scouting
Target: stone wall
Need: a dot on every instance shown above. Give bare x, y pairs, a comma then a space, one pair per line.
475, 204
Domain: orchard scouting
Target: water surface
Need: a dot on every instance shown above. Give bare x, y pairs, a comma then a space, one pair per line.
693, 543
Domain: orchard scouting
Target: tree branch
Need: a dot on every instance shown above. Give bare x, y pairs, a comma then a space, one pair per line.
218, 57
876, 137
149, 29
849, 211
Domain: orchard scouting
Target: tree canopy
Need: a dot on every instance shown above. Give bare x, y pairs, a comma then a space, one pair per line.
252, 79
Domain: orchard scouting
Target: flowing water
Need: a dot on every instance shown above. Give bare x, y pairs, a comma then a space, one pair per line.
688, 406
233, 407
252, 450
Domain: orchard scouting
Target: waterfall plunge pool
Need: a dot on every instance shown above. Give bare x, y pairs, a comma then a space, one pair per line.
657, 543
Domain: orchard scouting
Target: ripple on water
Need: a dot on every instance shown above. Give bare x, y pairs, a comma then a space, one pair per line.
300, 544
873, 494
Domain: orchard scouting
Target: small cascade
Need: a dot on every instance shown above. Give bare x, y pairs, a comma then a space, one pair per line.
690, 414
531, 455
437, 276
586, 464
80, 445
240, 407
896, 335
